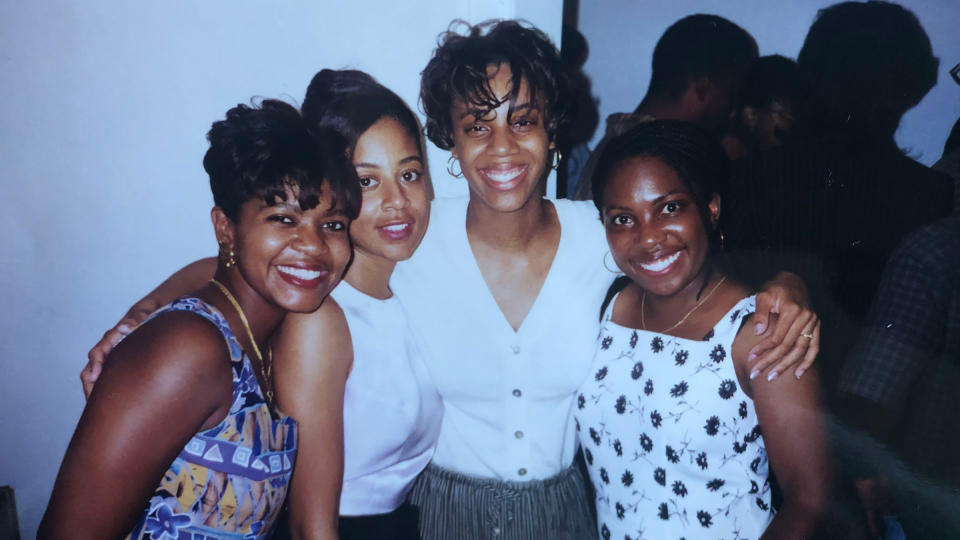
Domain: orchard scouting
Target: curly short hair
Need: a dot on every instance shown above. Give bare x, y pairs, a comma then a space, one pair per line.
458, 72
265, 151
350, 102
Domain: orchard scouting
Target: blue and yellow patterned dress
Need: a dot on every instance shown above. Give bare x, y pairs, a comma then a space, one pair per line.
230, 480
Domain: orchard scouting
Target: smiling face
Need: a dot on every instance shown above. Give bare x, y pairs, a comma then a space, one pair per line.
395, 211
291, 257
655, 231
503, 156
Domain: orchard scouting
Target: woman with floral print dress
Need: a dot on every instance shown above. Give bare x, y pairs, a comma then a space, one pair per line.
675, 433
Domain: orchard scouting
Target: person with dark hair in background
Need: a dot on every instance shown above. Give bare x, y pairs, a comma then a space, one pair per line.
771, 94
183, 434
833, 203
697, 73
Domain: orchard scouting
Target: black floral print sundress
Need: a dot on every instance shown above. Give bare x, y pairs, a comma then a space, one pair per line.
671, 440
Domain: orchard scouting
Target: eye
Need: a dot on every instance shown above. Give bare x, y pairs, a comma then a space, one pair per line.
410, 176
335, 226
524, 124
367, 182
475, 130
621, 220
671, 207
281, 218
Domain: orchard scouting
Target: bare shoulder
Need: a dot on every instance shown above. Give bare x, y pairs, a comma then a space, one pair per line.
175, 349
307, 341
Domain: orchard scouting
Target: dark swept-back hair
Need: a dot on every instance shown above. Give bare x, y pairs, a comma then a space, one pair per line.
458, 72
350, 101
694, 154
265, 150
867, 63
699, 46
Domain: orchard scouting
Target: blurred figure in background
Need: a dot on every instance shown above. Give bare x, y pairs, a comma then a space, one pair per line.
832, 204
697, 74
771, 93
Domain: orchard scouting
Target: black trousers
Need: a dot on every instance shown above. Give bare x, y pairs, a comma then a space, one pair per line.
401, 524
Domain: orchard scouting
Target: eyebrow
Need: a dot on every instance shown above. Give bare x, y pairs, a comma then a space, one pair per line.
527, 106
408, 159
655, 201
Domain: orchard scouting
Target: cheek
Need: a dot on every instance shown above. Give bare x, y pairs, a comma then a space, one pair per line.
340, 250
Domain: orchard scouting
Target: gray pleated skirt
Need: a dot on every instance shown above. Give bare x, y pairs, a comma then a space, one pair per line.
455, 506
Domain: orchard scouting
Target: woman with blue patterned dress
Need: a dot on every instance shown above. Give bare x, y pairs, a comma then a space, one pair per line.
181, 437
677, 437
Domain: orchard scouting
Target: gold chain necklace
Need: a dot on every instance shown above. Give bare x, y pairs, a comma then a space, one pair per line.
643, 300
265, 368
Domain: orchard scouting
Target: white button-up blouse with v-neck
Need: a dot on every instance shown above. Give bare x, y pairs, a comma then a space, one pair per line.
508, 395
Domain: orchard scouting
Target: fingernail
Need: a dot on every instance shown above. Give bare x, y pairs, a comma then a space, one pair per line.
772, 375
123, 328
751, 357
759, 328
799, 373
754, 373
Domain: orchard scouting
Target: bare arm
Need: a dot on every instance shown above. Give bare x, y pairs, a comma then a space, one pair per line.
791, 418
784, 305
312, 359
166, 382
189, 278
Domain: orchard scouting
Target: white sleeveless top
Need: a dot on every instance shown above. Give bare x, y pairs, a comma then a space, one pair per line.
508, 395
672, 442
391, 412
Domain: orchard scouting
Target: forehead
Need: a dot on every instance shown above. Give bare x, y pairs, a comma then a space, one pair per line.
642, 179
497, 92
385, 139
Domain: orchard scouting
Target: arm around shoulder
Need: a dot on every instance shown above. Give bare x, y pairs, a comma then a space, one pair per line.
313, 355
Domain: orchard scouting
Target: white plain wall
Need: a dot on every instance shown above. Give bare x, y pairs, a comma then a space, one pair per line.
622, 34
104, 112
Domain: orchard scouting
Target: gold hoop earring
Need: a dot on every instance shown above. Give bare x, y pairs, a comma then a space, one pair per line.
226, 256
450, 162
617, 271
557, 156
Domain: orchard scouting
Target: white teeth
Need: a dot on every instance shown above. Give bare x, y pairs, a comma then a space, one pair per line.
301, 273
660, 264
397, 227
502, 177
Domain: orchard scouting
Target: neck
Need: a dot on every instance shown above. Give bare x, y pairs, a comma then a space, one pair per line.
370, 274
262, 316
668, 309
666, 109
509, 231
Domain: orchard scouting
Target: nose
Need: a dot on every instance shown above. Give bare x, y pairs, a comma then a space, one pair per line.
311, 239
502, 141
394, 195
649, 235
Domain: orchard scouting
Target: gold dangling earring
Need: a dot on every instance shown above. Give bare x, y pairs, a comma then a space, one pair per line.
226, 256
557, 156
617, 271
450, 163
723, 247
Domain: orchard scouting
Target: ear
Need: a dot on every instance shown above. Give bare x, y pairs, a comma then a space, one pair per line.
713, 207
702, 89
223, 227
453, 153
748, 115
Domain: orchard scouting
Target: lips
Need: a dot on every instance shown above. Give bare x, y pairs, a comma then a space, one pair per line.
504, 177
660, 265
396, 231
307, 277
